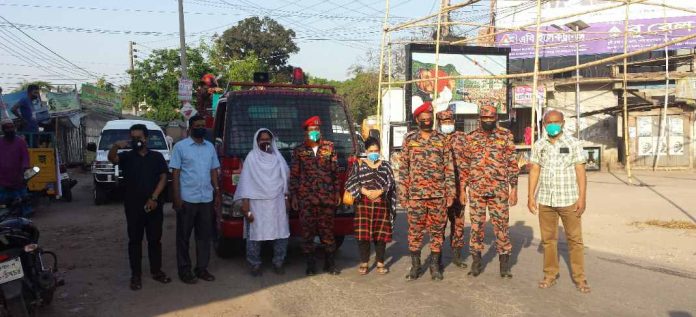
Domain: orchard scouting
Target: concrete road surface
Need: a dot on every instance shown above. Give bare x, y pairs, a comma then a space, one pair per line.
91, 244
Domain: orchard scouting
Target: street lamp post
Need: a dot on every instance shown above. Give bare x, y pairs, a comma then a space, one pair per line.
577, 26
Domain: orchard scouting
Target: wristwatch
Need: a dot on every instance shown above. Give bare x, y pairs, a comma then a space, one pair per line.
153, 198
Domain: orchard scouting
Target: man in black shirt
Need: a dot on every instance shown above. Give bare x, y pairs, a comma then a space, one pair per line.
145, 176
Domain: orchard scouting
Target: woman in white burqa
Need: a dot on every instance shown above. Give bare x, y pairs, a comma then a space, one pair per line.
262, 188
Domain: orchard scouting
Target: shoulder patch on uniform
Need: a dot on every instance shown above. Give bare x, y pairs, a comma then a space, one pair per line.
414, 143
438, 143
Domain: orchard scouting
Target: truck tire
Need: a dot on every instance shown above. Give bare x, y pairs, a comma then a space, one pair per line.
100, 196
226, 248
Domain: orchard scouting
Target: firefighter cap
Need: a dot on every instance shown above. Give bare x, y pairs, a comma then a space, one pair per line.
425, 107
488, 111
313, 121
445, 115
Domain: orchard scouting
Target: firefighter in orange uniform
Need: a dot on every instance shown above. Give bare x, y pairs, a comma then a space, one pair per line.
490, 177
314, 188
426, 189
457, 140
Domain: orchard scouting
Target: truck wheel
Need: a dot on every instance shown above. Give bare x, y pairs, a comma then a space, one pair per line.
226, 248
99, 196
339, 241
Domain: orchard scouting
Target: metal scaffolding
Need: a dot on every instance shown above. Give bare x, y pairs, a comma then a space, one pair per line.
488, 31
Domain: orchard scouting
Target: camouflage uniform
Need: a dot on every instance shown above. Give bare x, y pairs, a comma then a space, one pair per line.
314, 182
457, 140
491, 171
426, 180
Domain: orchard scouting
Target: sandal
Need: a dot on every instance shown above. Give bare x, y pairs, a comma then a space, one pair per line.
362, 270
136, 284
547, 282
381, 269
161, 277
583, 287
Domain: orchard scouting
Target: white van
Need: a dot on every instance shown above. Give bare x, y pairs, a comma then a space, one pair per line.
107, 177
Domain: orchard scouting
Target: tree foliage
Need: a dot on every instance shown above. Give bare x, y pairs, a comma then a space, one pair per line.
156, 81
263, 37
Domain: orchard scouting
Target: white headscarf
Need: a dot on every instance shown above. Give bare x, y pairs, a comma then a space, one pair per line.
264, 175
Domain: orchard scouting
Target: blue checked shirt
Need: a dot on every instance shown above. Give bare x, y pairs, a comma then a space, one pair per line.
195, 162
558, 186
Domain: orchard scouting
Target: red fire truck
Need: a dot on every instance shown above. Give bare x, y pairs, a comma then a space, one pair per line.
282, 108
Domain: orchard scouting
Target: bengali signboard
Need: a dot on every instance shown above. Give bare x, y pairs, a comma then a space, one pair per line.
522, 96
599, 38
185, 89
62, 103
518, 13
100, 100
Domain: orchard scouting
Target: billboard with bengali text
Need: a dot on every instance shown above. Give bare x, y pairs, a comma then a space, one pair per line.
599, 38
649, 25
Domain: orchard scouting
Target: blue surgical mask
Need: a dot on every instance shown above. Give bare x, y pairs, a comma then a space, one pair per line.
373, 157
314, 136
553, 129
447, 128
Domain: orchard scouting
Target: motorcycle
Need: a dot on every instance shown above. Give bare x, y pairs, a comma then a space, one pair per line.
27, 281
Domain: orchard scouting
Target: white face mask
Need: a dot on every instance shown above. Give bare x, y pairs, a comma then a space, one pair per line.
447, 128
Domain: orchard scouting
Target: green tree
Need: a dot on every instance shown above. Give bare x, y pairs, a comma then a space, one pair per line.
102, 83
156, 81
263, 37
360, 93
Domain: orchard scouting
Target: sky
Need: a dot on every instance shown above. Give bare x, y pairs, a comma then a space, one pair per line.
91, 35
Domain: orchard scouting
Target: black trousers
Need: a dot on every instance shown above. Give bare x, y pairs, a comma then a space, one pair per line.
141, 223
199, 217
364, 248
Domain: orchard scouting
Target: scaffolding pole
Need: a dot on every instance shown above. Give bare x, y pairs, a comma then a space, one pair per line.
627, 154
663, 127
535, 76
438, 32
381, 62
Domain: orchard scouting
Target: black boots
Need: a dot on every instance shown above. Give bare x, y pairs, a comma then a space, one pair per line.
435, 269
475, 264
330, 264
311, 265
505, 266
415, 266
457, 258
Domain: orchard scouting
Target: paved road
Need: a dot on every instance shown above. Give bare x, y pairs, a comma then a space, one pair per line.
91, 245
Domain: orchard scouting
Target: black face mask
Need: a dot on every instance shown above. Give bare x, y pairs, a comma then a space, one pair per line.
9, 134
137, 145
266, 147
198, 133
488, 126
425, 126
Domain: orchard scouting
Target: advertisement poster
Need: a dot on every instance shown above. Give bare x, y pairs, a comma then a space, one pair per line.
62, 103
458, 93
645, 126
99, 99
676, 145
676, 126
646, 146
522, 96
593, 157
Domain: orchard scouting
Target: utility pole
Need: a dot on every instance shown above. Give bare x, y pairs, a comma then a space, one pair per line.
182, 40
445, 32
131, 57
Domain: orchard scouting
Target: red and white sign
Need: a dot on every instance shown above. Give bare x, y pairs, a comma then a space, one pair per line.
187, 110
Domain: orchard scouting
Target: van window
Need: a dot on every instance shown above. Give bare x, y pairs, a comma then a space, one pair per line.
284, 115
155, 141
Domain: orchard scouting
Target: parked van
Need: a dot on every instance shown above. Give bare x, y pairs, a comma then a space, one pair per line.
107, 177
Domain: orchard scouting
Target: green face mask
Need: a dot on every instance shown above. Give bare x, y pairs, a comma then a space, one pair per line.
553, 129
314, 136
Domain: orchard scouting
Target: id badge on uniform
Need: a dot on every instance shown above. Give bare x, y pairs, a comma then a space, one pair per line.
565, 150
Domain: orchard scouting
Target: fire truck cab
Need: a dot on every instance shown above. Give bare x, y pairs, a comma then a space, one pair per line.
281, 108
